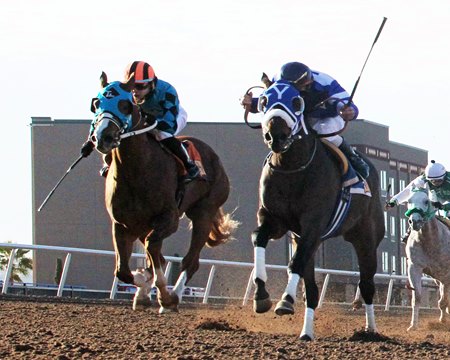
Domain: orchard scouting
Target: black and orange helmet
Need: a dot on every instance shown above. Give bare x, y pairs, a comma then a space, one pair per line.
143, 72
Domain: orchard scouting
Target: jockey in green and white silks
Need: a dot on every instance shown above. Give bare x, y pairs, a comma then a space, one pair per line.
436, 179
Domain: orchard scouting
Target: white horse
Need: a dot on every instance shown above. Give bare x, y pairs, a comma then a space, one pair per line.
428, 252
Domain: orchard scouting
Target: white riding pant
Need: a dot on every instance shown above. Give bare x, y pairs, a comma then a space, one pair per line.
328, 125
181, 124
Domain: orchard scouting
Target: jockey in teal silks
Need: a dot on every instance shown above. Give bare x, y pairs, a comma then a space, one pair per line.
158, 102
437, 180
326, 106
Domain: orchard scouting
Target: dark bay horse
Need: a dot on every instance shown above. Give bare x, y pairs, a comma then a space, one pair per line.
140, 195
428, 252
300, 187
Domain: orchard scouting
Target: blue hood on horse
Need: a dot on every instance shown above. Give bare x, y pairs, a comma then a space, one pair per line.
283, 100
109, 97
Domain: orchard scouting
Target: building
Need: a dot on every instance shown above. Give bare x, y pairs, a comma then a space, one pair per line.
75, 216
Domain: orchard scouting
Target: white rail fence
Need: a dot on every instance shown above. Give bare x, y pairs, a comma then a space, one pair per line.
213, 263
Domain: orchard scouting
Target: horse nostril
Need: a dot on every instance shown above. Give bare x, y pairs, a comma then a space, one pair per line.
268, 137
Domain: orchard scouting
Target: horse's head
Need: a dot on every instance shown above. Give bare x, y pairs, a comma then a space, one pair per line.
113, 108
283, 108
420, 209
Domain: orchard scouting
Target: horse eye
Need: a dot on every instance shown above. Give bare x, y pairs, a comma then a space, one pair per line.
262, 103
125, 107
297, 104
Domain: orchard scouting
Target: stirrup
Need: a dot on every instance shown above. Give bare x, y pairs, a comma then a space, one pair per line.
193, 172
104, 171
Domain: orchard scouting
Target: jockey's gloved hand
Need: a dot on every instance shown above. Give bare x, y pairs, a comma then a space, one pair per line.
87, 148
150, 120
437, 205
390, 204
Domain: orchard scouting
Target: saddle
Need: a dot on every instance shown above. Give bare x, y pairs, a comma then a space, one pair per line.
444, 220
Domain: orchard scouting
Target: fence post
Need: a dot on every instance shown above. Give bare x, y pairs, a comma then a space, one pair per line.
248, 289
112, 295
324, 290
209, 284
9, 270
389, 295
64, 275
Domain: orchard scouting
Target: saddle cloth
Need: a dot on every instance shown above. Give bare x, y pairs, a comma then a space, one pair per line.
351, 184
194, 155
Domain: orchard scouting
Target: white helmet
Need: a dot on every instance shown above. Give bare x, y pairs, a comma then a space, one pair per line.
435, 171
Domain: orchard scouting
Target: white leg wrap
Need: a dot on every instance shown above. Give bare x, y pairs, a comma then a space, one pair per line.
259, 255
292, 285
179, 286
308, 323
141, 277
370, 319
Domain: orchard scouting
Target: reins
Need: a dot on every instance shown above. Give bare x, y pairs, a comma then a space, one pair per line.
138, 132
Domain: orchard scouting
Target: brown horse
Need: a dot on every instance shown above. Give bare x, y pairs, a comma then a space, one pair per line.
140, 194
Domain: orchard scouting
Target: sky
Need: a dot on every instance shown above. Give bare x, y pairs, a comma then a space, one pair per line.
53, 53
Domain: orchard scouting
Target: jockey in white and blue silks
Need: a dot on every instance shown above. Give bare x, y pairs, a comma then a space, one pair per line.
326, 106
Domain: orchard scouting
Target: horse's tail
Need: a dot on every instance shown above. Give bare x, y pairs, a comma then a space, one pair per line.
223, 228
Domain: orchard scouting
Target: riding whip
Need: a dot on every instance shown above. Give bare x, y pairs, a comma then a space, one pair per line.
356, 83
59, 182
359, 77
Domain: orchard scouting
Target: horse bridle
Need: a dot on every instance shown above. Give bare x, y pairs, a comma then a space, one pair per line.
301, 168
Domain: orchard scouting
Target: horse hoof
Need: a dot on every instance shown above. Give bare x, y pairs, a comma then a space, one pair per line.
141, 304
165, 310
284, 308
262, 306
305, 337
357, 304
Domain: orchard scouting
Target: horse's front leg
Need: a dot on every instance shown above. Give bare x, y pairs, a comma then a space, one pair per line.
415, 280
123, 246
260, 239
166, 225
301, 265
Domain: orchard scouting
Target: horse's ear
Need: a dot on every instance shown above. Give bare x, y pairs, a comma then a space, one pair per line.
266, 81
129, 84
103, 80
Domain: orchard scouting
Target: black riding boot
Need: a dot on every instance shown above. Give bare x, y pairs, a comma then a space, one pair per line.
357, 161
177, 148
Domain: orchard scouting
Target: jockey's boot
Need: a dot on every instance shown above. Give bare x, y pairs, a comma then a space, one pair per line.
177, 148
406, 236
357, 161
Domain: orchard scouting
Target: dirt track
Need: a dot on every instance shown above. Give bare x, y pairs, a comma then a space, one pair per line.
36, 328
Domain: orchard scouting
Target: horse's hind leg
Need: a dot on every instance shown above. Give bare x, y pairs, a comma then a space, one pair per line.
367, 260
201, 227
